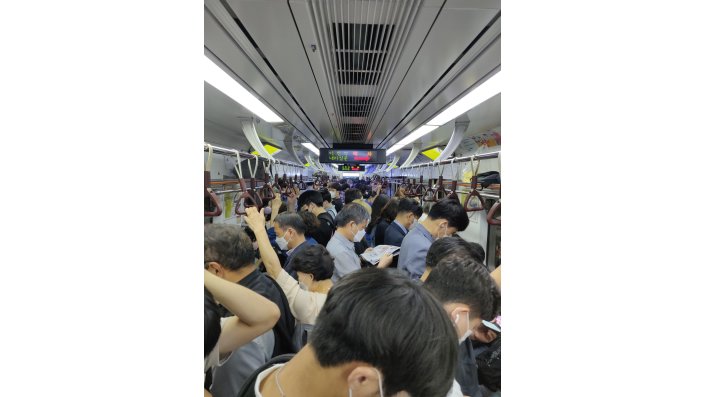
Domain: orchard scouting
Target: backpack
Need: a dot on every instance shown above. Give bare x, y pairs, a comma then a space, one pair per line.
489, 364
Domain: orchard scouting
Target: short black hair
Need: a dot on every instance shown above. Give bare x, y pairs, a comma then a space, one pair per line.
458, 278
344, 186
476, 252
249, 233
310, 196
211, 330
311, 223
314, 259
352, 195
292, 220
352, 212
381, 318
325, 194
228, 245
452, 211
408, 205
334, 185
449, 245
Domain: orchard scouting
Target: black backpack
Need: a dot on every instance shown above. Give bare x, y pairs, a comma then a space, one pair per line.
248, 388
489, 364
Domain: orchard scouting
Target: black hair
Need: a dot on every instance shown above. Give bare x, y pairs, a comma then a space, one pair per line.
228, 245
452, 211
211, 330
476, 252
311, 223
352, 212
314, 259
344, 186
325, 194
292, 220
310, 196
335, 185
250, 233
381, 318
458, 278
449, 245
352, 195
389, 212
408, 205
377, 207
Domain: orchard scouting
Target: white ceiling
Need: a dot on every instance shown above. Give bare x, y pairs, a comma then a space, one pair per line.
435, 65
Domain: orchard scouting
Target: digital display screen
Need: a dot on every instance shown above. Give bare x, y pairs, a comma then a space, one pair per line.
367, 156
347, 167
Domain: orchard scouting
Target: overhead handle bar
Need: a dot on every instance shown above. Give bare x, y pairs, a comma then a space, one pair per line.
490, 215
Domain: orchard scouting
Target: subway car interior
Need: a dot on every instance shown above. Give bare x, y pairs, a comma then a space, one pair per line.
352, 198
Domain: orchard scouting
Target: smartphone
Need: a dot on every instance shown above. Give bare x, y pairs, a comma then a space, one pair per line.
494, 327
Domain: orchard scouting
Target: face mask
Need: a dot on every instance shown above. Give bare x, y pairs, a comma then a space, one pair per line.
282, 243
379, 379
333, 195
445, 233
359, 236
467, 333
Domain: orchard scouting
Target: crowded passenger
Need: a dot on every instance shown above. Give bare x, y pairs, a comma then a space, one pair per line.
468, 295
312, 201
253, 315
291, 238
335, 189
445, 218
328, 203
378, 205
408, 213
372, 322
389, 213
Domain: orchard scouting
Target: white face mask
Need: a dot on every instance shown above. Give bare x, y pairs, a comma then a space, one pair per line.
333, 195
359, 236
467, 333
282, 242
379, 379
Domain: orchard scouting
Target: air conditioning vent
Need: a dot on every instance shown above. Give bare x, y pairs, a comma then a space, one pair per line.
360, 44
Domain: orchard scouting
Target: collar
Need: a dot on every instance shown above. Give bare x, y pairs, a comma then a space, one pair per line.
424, 231
402, 227
344, 241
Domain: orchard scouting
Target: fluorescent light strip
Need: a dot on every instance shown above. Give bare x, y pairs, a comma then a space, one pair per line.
485, 91
311, 147
351, 174
418, 133
216, 77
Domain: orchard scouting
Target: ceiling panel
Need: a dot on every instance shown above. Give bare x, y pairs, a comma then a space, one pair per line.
451, 34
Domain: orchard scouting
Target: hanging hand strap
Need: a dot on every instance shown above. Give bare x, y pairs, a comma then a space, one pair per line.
206, 183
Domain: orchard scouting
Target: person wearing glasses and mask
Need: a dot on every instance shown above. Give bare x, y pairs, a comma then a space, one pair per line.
350, 228
445, 218
469, 295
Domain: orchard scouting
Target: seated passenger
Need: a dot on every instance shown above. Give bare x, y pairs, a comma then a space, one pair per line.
378, 334
468, 295
253, 316
314, 267
445, 218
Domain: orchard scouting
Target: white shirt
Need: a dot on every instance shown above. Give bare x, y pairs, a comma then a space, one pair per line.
263, 375
305, 305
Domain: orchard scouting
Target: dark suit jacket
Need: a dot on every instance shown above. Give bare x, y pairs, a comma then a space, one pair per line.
394, 235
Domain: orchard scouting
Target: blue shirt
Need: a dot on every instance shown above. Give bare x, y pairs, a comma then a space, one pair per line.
344, 257
412, 254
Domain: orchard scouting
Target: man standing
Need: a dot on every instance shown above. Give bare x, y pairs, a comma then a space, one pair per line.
312, 201
445, 218
408, 213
